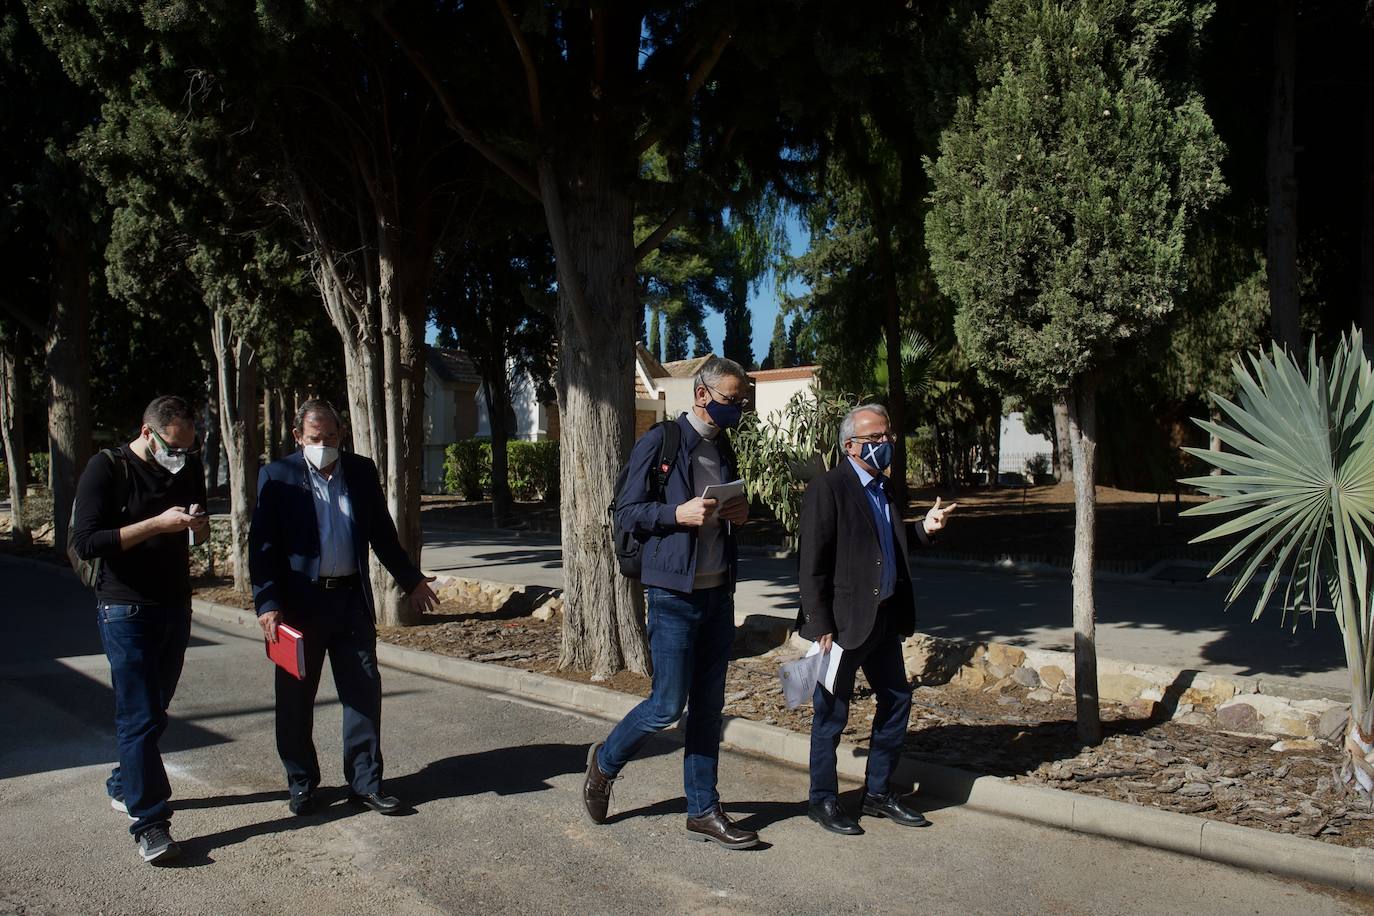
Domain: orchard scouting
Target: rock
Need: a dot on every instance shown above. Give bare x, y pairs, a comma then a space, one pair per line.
1296, 744
1237, 716
969, 679
1120, 688
1009, 657
997, 672
1051, 676
1007, 700
1153, 694
1333, 723
1026, 677
1288, 725
1195, 789
545, 612
1195, 719
1041, 695
1065, 687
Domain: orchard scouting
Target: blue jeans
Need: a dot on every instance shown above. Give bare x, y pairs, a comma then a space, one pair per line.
690, 634
880, 657
146, 645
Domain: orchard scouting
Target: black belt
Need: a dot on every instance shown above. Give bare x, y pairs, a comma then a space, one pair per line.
332, 582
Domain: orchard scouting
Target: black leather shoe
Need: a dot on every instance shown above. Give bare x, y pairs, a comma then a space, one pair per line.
890, 806
719, 829
382, 804
832, 817
302, 804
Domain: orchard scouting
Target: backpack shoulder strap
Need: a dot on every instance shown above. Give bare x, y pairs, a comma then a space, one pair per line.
667, 452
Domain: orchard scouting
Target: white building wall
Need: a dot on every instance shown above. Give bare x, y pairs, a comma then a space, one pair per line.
771, 397
1018, 446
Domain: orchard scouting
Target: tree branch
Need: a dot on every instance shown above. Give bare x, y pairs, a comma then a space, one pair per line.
526, 58
694, 84
521, 176
679, 212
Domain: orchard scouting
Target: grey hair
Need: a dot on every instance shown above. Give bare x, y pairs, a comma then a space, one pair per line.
715, 369
847, 424
316, 406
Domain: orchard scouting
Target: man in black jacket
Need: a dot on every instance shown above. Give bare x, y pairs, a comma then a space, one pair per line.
317, 513
133, 509
856, 594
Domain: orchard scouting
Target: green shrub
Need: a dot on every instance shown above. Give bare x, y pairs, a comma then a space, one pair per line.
38, 468
533, 470
467, 468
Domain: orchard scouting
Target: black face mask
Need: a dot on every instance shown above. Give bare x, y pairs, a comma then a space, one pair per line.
726, 416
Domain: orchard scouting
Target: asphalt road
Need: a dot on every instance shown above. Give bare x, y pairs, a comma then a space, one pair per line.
497, 826
1177, 626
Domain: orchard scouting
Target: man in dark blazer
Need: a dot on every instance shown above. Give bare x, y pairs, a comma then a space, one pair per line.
317, 513
856, 594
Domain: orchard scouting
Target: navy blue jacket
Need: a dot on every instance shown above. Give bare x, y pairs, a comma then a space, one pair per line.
669, 551
284, 540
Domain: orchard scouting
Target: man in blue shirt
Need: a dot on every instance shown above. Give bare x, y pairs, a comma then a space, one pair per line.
317, 513
856, 595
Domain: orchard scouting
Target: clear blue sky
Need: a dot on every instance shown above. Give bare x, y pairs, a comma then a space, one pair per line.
763, 302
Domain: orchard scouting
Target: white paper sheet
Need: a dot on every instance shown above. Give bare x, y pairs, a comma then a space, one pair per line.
835, 652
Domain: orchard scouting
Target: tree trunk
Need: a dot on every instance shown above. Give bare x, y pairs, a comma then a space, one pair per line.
1283, 184
1213, 440
238, 381
403, 262
993, 433
1063, 447
603, 628
1082, 403
13, 393
67, 365
286, 416
269, 424
896, 382
213, 439
496, 390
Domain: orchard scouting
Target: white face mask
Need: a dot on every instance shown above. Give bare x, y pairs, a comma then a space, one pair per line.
172, 463
321, 456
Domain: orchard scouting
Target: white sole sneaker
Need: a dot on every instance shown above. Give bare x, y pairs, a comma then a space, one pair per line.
122, 808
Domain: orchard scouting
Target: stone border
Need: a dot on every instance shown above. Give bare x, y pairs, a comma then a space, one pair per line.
1243, 847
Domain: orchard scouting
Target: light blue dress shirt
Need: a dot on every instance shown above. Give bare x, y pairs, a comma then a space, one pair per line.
882, 520
334, 516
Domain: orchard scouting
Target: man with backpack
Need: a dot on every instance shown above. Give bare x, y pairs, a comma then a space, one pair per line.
687, 563
128, 540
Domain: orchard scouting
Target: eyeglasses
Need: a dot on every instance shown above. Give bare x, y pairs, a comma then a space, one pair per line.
738, 401
176, 452
875, 438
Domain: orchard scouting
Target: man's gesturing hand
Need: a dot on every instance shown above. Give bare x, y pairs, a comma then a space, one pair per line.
935, 518
269, 622
422, 597
695, 512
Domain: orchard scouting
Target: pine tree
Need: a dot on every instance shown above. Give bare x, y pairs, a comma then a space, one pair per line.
1062, 197
777, 349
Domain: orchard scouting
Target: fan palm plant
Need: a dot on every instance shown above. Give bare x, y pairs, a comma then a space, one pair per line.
1300, 470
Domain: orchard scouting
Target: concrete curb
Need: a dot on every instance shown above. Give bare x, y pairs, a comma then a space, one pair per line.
1243, 847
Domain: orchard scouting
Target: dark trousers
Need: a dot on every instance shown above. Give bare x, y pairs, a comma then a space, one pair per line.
340, 626
690, 634
880, 657
146, 646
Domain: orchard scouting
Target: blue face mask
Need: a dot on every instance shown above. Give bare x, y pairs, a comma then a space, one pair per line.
726, 416
877, 455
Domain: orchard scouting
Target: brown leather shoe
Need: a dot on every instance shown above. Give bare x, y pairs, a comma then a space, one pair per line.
596, 788
716, 827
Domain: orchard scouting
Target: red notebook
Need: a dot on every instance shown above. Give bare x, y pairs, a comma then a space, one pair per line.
288, 651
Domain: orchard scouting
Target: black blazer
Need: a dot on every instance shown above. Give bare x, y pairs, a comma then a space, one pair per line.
284, 540
841, 562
